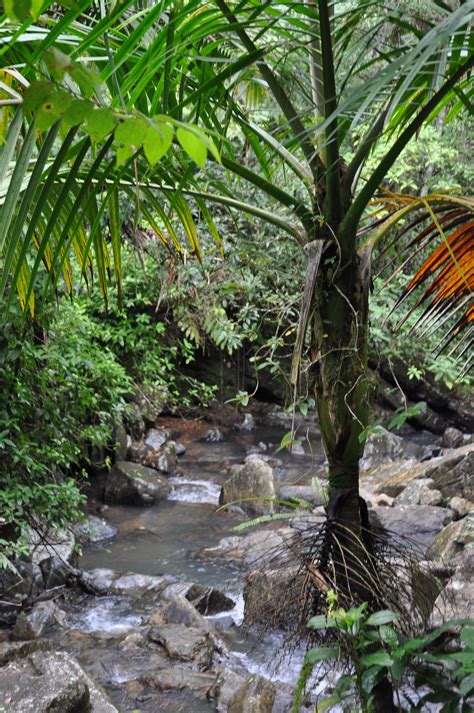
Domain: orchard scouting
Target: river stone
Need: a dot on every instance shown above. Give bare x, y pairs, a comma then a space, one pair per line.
184, 643
295, 493
134, 484
121, 442
15, 650
269, 596
248, 424
461, 506
213, 435
178, 610
155, 438
451, 540
252, 480
209, 600
164, 459
228, 682
33, 624
457, 599
249, 550
420, 491
102, 581
417, 523
256, 694
380, 448
179, 678
26, 582
94, 529
44, 543
50, 682
134, 421
150, 400
452, 438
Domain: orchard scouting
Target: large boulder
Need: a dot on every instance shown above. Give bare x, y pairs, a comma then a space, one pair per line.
50, 682
184, 643
150, 400
121, 444
226, 685
421, 491
179, 678
134, 421
110, 581
272, 596
45, 543
418, 524
164, 459
134, 484
457, 599
253, 480
247, 551
33, 624
94, 529
257, 694
450, 542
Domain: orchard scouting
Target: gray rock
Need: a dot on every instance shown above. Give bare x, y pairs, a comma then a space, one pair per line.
457, 599
248, 424
121, 442
214, 435
268, 596
15, 650
184, 643
150, 400
179, 678
255, 548
178, 610
134, 484
451, 540
134, 421
252, 480
94, 529
452, 438
418, 523
45, 543
33, 624
109, 581
256, 694
209, 600
420, 491
50, 683
226, 685
26, 582
380, 448
138, 451
299, 492
461, 506
180, 449
164, 460
155, 438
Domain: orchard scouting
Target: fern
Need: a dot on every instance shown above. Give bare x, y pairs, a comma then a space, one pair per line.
262, 519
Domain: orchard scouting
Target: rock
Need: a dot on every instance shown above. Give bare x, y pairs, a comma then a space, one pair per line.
138, 451
51, 543
268, 596
33, 624
15, 650
382, 500
109, 581
457, 599
121, 442
295, 493
179, 678
256, 548
155, 438
461, 506
50, 683
209, 600
185, 643
248, 424
228, 682
26, 582
418, 523
451, 474
420, 491
150, 400
178, 610
451, 540
256, 694
180, 449
165, 459
380, 448
213, 435
94, 529
297, 449
452, 438
252, 480
134, 484
134, 421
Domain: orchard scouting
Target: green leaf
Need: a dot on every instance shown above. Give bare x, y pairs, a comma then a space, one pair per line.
379, 658
321, 653
467, 635
319, 622
370, 677
466, 685
36, 94
76, 113
17, 9
193, 145
57, 63
52, 110
157, 142
385, 616
129, 135
100, 123
84, 79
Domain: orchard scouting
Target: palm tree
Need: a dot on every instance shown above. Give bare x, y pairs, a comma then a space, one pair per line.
171, 82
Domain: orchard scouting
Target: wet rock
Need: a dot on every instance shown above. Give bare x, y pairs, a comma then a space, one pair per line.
180, 449
213, 435
138, 451
26, 582
134, 421
15, 650
382, 500
209, 600
226, 685
94, 529
457, 599
50, 683
296, 493
256, 548
134, 484
150, 400
33, 624
380, 448
248, 424
452, 438
418, 523
256, 694
121, 442
178, 610
184, 643
44, 543
164, 460
420, 491
451, 540
252, 480
155, 438
179, 678
268, 596
109, 581
461, 506
297, 449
